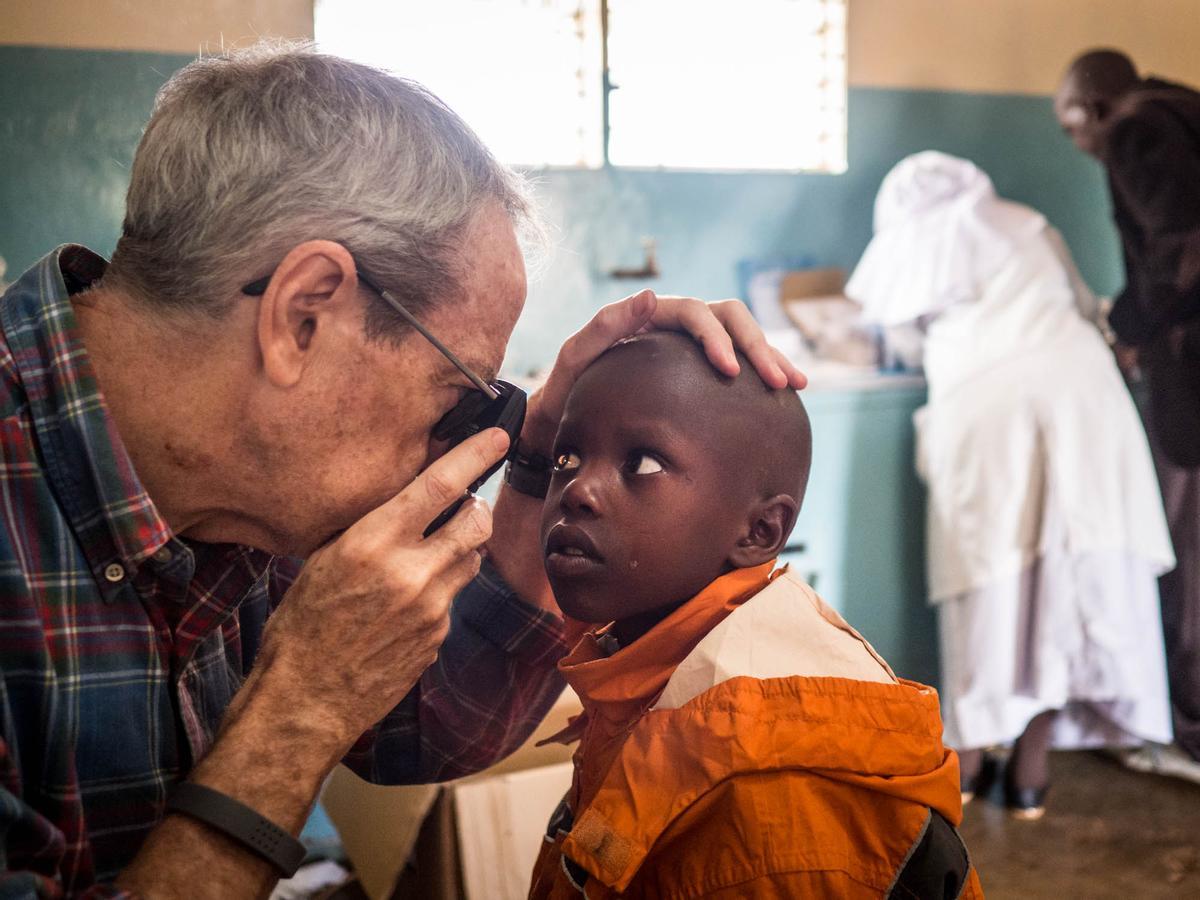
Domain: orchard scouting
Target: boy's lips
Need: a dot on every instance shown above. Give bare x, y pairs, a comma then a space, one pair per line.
570, 551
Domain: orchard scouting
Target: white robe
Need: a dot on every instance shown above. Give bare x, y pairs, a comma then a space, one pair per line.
1046, 529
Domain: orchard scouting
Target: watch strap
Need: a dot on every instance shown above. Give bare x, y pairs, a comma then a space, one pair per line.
240, 822
529, 473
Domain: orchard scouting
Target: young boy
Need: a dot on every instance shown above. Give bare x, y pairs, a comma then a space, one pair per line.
738, 738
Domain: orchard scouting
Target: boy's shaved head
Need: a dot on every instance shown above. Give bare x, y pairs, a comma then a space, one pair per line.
668, 475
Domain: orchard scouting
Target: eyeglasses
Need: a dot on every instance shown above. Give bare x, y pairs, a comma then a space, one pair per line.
495, 405
259, 287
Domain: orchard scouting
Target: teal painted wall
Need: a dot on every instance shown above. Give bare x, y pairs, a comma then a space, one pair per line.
69, 120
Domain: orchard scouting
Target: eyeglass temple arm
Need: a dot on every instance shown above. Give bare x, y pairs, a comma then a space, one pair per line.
490, 392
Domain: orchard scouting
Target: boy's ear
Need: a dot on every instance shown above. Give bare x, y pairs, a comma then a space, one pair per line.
767, 528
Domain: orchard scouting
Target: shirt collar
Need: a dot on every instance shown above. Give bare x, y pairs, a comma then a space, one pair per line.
86, 461
632, 677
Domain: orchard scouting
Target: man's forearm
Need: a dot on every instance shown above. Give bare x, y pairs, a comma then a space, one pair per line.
272, 755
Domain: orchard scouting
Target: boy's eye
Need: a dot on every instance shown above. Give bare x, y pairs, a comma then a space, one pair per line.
565, 461
644, 464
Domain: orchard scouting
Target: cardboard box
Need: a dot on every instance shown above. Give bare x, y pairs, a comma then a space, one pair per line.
487, 834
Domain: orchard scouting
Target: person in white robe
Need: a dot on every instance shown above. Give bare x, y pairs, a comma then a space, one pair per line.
1046, 530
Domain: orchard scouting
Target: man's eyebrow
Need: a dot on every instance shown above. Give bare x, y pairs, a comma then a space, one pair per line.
454, 376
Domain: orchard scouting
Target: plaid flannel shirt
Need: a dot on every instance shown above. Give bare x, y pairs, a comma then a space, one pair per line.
121, 645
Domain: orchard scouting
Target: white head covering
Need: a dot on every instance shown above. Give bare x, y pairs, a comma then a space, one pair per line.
940, 233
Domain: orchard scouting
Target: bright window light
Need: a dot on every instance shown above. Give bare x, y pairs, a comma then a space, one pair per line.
525, 74
757, 84
695, 84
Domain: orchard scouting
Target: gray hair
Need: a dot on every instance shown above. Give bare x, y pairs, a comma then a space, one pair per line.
253, 151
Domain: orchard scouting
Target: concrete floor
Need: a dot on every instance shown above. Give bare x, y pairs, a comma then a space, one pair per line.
1108, 832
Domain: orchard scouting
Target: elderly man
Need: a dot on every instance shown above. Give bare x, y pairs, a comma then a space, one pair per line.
234, 392
1146, 132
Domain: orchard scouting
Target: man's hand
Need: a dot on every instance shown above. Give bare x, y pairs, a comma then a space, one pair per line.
369, 611
358, 627
719, 327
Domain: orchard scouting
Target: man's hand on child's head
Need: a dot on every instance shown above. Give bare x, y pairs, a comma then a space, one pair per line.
719, 327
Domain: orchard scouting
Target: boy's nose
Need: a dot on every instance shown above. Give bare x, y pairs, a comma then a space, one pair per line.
582, 494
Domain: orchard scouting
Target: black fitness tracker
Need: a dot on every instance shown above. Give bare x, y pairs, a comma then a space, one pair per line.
475, 412
239, 822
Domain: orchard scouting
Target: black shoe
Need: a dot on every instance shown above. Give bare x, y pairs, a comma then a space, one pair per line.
1025, 804
983, 780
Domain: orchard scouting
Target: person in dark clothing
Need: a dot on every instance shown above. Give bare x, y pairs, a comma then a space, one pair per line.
1146, 133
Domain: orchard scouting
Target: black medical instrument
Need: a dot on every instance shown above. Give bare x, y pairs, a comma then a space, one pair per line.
495, 405
473, 414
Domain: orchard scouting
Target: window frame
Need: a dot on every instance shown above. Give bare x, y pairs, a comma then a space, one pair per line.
605, 162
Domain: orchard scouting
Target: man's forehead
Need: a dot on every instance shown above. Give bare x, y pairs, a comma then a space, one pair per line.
482, 352
480, 345
477, 333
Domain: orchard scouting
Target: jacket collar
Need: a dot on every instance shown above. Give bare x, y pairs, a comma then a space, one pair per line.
622, 683
877, 736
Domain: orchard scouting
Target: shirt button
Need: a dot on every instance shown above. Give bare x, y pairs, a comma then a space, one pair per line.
114, 572
162, 555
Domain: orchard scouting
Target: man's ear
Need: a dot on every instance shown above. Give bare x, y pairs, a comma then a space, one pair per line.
767, 528
311, 290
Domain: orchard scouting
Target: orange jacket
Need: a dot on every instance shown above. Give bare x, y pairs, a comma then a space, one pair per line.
753, 749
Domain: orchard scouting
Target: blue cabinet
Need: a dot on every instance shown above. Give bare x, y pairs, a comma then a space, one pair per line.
860, 537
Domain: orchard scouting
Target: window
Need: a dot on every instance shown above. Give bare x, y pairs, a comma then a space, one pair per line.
679, 84
526, 74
